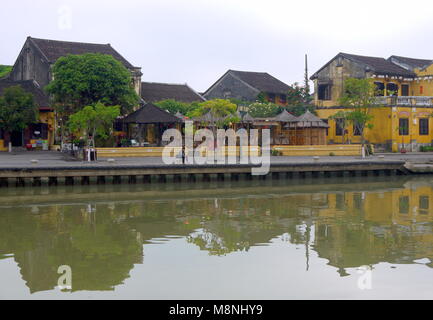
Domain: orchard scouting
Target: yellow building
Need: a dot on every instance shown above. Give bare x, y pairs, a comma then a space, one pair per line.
403, 120
40, 134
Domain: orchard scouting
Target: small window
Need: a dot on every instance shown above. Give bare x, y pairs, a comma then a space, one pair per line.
324, 92
404, 204
339, 127
283, 98
271, 97
423, 127
403, 127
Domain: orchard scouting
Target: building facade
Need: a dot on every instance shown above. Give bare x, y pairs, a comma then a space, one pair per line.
402, 120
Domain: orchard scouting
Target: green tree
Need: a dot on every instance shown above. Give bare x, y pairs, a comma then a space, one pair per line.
93, 121
4, 70
17, 110
343, 118
222, 112
83, 80
360, 96
174, 106
264, 109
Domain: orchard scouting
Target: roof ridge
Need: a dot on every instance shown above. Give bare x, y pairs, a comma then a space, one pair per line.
75, 42
166, 83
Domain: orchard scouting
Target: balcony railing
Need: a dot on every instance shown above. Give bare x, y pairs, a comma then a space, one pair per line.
405, 101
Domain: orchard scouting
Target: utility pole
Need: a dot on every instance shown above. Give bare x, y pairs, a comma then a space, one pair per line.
306, 80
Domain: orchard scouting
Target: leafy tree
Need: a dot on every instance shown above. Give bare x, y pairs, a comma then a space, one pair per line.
298, 96
343, 118
222, 111
5, 70
264, 109
83, 80
17, 110
94, 121
174, 106
360, 96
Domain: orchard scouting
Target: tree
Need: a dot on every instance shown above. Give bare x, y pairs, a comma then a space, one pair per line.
17, 110
92, 121
360, 96
4, 70
343, 119
83, 80
174, 106
264, 109
223, 112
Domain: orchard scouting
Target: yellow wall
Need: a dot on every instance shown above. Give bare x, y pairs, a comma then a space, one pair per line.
385, 127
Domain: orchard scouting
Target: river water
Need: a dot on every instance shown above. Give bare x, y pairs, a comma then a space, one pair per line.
348, 238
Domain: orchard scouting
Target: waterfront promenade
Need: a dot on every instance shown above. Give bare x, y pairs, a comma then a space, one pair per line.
53, 159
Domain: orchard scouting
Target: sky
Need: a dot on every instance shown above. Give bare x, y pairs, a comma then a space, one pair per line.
196, 41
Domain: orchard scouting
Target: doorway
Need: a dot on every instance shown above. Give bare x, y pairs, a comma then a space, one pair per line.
17, 138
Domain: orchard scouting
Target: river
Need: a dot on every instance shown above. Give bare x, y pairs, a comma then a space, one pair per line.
346, 238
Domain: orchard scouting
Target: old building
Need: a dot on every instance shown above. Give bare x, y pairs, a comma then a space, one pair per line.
37, 57
247, 86
154, 92
38, 134
402, 119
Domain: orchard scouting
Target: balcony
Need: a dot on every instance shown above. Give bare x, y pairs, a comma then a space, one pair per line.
410, 101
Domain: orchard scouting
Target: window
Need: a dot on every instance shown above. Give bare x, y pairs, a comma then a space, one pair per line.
324, 92
380, 89
423, 127
421, 89
392, 89
403, 204
403, 127
404, 90
283, 98
271, 97
339, 127
423, 204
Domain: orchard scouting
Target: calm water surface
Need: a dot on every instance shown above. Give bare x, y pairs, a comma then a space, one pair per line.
356, 238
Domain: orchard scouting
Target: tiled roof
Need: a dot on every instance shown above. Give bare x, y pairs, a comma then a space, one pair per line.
154, 92
410, 63
379, 65
261, 81
150, 113
54, 49
40, 98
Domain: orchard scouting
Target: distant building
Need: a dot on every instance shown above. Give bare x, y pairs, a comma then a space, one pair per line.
247, 86
39, 55
154, 92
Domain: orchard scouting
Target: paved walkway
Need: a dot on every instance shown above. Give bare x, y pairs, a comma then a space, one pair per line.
57, 159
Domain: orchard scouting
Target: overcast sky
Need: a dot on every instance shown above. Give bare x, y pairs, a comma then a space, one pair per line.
196, 41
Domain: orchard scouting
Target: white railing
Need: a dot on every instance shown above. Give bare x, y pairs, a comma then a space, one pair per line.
405, 101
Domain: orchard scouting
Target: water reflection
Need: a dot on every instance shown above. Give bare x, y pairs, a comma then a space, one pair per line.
101, 231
